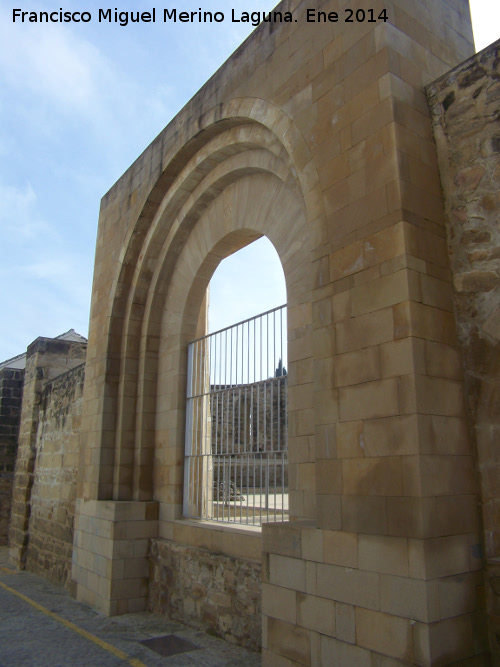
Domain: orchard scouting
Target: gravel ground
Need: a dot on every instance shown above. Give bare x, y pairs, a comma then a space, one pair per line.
62, 632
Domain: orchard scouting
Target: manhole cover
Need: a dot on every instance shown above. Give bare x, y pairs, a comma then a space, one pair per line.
169, 645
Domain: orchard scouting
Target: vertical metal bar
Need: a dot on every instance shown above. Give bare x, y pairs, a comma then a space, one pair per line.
226, 379
216, 396
254, 351
230, 418
255, 443
239, 420
230, 383
267, 345
240, 461
197, 496
274, 488
220, 358
261, 354
186, 510
248, 360
218, 487
242, 379
265, 384
248, 486
189, 434
267, 487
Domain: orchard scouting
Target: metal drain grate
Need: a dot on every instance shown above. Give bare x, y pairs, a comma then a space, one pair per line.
169, 645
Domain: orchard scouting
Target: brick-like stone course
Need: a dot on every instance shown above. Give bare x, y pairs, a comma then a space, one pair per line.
207, 590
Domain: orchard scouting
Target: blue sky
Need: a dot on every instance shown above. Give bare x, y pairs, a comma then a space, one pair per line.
78, 104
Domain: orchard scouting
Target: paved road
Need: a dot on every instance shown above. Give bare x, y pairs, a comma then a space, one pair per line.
42, 626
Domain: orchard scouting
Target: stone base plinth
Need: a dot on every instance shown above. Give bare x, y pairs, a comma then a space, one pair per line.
338, 598
110, 564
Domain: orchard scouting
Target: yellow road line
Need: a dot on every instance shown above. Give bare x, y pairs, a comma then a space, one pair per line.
83, 633
6, 569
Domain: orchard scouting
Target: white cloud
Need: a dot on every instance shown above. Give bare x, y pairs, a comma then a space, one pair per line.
19, 219
53, 268
46, 278
55, 76
51, 64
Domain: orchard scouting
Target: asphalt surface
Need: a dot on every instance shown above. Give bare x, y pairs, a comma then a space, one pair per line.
43, 626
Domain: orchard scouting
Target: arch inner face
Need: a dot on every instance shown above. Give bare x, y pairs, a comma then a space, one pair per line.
236, 457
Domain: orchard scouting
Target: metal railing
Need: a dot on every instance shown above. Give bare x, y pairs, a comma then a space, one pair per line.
236, 465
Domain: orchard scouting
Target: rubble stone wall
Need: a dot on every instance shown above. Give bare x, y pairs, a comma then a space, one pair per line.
212, 591
465, 105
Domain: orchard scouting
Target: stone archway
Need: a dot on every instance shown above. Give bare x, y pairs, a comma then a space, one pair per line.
245, 210
238, 184
317, 136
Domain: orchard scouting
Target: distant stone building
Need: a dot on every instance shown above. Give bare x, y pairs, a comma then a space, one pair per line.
11, 393
40, 413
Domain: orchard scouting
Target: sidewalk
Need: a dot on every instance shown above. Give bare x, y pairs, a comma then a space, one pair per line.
42, 626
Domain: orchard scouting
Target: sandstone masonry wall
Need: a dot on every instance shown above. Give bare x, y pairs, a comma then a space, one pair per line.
43, 491
319, 137
11, 393
466, 112
50, 543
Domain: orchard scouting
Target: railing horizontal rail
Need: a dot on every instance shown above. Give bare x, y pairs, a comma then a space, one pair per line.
237, 324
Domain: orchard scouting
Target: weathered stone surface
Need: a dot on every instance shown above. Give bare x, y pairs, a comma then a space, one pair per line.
492, 324
468, 179
50, 545
207, 590
468, 148
484, 255
45, 472
472, 74
11, 384
471, 236
475, 281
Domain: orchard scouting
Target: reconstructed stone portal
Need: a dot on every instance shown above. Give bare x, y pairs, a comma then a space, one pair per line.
319, 136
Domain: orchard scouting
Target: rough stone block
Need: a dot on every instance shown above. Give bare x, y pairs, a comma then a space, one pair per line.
290, 641
316, 613
287, 572
384, 634
369, 400
340, 548
383, 554
349, 586
335, 652
280, 603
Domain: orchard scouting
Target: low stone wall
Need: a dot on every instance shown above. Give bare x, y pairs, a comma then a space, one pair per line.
50, 542
207, 590
11, 392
